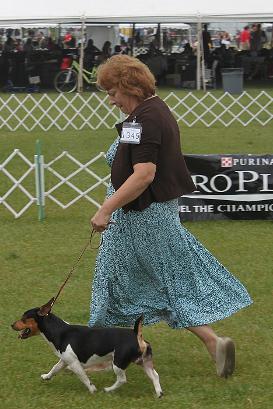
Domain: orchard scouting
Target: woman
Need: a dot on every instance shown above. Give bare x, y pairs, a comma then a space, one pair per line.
148, 262
245, 39
106, 51
91, 53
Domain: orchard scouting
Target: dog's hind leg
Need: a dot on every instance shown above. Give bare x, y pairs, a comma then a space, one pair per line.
56, 368
79, 371
148, 367
121, 379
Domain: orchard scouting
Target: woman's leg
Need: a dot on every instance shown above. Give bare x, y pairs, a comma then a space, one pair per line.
222, 350
207, 336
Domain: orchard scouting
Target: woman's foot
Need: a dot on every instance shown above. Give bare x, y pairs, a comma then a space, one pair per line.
225, 357
221, 349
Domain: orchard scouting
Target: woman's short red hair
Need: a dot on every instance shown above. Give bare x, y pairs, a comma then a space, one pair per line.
128, 74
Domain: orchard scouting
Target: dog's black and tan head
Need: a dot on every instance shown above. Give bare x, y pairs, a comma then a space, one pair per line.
28, 323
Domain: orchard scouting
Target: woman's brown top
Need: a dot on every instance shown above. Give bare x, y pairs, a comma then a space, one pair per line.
160, 144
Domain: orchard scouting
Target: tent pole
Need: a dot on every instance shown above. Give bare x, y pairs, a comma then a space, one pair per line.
59, 35
202, 61
158, 36
80, 81
199, 33
133, 39
161, 39
190, 36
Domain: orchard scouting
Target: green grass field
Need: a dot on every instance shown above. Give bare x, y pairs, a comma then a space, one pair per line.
36, 256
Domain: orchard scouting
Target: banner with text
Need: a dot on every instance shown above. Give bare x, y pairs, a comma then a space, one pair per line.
229, 187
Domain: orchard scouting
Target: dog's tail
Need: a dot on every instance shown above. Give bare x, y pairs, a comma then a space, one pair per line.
138, 331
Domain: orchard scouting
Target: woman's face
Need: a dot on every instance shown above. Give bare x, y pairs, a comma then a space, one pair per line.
126, 103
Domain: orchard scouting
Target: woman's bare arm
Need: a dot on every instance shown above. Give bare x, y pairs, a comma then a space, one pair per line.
132, 188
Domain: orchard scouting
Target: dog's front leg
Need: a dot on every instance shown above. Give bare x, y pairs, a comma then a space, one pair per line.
79, 371
56, 368
121, 379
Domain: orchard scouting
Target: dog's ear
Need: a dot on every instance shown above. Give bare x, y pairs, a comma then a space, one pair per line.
45, 309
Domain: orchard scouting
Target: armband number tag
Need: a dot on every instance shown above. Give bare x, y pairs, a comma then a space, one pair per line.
131, 132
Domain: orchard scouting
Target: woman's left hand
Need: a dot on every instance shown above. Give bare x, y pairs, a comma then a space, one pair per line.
100, 221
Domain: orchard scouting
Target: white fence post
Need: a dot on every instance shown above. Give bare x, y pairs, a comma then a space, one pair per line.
39, 181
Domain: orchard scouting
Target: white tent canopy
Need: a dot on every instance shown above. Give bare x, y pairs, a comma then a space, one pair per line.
141, 11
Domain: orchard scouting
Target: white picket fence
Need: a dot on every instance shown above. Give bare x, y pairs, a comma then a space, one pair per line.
79, 111
31, 192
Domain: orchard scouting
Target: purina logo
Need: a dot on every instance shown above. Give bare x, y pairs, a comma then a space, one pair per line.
226, 162
229, 161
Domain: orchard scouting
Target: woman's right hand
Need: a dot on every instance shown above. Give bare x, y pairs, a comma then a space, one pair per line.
100, 221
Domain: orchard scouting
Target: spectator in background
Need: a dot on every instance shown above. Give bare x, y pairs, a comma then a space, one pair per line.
207, 44
138, 40
245, 39
19, 46
156, 61
154, 48
263, 35
9, 47
50, 45
224, 56
91, 48
188, 51
117, 50
31, 34
91, 52
167, 42
28, 46
41, 40
257, 39
237, 39
226, 40
9, 44
69, 41
28, 49
106, 51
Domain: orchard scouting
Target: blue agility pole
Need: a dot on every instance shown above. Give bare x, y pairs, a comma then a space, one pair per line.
39, 181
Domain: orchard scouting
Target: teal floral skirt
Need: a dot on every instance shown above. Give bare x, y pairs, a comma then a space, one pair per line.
150, 264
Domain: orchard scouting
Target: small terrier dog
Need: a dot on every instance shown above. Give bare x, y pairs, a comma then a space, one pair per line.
79, 347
